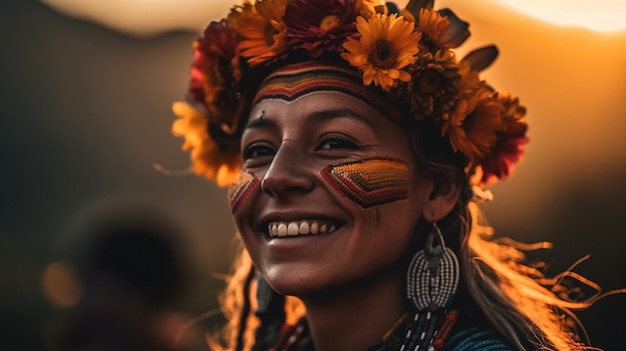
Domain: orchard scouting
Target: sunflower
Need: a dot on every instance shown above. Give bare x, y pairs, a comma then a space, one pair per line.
473, 124
434, 27
435, 84
387, 45
213, 160
261, 28
320, 26
509, 147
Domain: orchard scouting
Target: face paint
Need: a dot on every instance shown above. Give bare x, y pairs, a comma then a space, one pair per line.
292, 82
369, 182
242, 190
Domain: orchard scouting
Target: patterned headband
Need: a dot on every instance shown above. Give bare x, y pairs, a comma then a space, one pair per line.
298, 80
387, 56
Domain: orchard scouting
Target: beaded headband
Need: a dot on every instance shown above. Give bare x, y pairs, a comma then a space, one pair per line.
405, 55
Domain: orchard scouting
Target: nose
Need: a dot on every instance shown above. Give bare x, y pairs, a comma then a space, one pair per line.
288, 173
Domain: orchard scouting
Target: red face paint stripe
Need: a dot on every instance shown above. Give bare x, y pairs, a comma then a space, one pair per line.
240, 192
369, 182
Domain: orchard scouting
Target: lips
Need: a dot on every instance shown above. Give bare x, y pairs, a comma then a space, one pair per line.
302, 227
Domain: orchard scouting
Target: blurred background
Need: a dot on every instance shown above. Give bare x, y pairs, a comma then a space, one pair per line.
86, 95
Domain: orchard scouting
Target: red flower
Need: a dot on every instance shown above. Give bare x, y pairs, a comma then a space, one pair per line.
319, 26
509, 147
214, 72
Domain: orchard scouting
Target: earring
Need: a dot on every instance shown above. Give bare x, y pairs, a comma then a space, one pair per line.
433, 275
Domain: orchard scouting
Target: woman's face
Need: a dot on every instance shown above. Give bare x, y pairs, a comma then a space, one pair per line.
335, 194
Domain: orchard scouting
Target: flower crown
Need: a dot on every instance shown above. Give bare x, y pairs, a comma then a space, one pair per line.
406, 53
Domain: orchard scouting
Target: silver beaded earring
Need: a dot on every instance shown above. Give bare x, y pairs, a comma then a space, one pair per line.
433, 275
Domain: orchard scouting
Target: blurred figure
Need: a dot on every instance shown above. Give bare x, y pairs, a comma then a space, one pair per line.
127, 269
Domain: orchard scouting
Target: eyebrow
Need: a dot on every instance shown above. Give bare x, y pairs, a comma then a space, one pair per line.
326, 115
317, 116
261, 123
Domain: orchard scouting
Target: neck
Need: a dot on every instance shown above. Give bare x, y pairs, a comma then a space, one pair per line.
357, 317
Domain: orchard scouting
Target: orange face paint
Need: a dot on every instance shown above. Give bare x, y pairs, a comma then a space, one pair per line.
242, 190
369, 182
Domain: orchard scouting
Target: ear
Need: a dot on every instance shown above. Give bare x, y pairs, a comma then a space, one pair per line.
444, 193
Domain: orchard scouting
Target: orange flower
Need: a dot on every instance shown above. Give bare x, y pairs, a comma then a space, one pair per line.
215, 161
473, 125
263, 33
435, 84
434, 27
387, 45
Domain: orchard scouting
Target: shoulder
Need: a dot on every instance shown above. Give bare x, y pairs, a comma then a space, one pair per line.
476, 339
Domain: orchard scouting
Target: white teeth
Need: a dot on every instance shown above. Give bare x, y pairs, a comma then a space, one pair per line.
281, 229
304, 228
292, 228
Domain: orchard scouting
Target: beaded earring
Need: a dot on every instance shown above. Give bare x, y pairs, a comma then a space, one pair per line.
432, 281
433, 275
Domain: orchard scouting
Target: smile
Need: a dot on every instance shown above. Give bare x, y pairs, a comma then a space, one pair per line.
304, 227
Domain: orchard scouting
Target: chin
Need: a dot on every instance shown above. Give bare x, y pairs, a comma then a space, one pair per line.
289, 279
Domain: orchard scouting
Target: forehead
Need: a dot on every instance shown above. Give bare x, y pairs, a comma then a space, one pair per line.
319, 106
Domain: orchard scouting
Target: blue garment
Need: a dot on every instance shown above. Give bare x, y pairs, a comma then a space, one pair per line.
475, 339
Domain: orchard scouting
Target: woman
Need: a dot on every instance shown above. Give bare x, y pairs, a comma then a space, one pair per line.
358, 145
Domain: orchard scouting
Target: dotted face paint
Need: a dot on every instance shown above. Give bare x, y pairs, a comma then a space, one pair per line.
369, 182
242, 190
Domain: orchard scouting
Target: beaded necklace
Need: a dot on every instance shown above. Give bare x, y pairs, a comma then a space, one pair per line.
419, 331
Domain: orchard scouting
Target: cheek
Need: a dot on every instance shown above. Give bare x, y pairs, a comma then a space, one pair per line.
370, 182
242, 191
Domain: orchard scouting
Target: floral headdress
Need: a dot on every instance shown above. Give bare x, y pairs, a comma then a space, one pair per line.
407, 54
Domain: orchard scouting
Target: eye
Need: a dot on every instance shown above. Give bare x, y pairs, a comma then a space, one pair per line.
257, 150
334, 142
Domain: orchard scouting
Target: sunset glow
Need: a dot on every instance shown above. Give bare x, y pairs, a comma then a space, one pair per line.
601, 15
144, 18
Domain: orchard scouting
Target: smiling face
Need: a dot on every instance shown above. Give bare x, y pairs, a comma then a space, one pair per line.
335, 193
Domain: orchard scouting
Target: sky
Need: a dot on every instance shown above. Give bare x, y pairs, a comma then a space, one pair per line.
142, 17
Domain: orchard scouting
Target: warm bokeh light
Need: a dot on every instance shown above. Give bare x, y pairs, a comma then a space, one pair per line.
60, 285
144, 18
600, 15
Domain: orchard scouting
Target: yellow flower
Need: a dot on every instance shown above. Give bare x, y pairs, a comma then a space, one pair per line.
387, 45
367, 8
214, 161
264, 36
434, 26
408, 15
